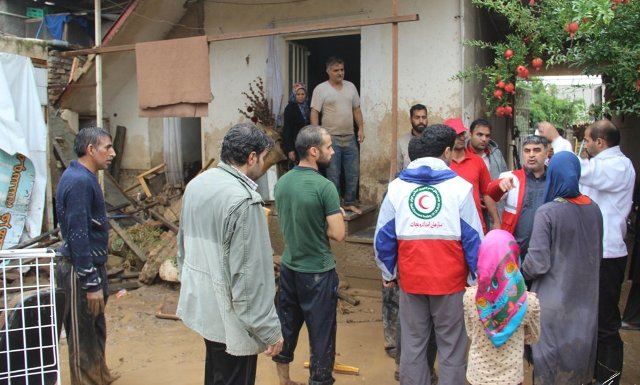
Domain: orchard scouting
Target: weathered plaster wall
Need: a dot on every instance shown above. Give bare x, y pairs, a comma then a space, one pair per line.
26, 47
429, 55
122, 110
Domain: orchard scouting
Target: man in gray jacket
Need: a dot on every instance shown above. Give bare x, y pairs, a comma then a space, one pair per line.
225, 260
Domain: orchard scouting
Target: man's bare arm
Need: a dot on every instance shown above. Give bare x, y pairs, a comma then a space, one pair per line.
335, 228
315, 117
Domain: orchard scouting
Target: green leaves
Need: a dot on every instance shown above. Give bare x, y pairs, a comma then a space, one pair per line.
595, 36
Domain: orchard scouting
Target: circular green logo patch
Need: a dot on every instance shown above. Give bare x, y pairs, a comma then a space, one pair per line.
425, 202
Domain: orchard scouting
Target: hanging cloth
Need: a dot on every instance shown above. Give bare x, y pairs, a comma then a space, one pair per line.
174, 78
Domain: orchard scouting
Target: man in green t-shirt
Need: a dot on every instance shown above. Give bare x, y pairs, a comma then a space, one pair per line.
309, 215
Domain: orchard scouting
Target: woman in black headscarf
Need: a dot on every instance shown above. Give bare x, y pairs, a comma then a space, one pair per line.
296, 116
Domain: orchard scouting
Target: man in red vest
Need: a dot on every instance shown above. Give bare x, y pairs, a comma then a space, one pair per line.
522, 190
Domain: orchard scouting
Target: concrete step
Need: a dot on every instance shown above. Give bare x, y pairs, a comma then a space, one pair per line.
363, 236
357, 222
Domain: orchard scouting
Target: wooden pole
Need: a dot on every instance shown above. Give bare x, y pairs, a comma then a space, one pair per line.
98, 39
264, 32
393, 169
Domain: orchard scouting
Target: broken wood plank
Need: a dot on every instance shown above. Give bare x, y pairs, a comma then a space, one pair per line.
143, 182
206, 166
340, 368
128, 241
37, 239
348, 298
118, 146
168, 309
127, 285
164, 221
130, 274
114, 271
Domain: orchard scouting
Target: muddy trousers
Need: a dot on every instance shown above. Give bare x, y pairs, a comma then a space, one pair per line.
309, 298
418, 314
221, 368
608, 368
86, 334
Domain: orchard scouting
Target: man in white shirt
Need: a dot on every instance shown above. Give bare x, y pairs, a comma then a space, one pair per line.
558, 143
608, 178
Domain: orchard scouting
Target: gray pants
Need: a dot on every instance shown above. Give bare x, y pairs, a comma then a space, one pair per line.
417, 314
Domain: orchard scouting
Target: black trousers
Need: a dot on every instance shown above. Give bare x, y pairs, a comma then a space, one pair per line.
221, 368
86, 334
632, 309
309, 298
610, 346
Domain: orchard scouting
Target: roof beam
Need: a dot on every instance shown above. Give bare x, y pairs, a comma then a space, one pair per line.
264, 32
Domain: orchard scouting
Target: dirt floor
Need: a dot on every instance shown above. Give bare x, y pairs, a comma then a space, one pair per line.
148, 350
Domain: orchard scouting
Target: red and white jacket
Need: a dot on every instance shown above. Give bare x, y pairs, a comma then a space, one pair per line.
513, 200
428, 230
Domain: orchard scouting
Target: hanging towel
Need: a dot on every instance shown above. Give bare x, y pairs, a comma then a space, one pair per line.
173, 78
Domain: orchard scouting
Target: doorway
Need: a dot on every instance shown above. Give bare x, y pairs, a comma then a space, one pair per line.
307, 59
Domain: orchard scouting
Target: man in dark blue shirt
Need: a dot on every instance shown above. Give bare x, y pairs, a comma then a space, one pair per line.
80, 269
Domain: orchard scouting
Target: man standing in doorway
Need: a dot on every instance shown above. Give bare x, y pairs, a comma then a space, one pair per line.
339, 103
608, 177
418, 116
472, 169
481, 144
309, 215
225, 261
80, 269
427, 238
524, 190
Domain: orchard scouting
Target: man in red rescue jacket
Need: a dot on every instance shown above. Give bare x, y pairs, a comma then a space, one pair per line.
427, 238
522, 190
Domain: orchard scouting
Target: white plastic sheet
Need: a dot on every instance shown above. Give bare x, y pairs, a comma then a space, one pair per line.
23, 129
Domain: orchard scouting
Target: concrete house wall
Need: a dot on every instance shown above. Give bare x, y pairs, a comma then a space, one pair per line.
429, 50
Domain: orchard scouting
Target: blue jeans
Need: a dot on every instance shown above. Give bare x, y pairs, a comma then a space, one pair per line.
346, 157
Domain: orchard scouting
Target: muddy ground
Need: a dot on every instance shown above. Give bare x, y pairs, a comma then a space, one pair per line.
148, 350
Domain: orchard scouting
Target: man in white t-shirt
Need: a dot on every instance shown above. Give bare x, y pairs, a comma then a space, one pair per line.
558, 143
339, 103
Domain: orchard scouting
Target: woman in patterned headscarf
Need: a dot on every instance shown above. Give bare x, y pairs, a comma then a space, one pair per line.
500, 315
296, 116
563, 261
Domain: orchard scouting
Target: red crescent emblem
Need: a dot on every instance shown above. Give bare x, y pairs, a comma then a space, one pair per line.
422, 206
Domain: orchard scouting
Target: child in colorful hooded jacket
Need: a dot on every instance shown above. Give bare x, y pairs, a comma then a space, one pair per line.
500, 315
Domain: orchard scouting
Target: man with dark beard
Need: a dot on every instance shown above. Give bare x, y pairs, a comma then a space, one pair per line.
309, 214
419, 121
418, 116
